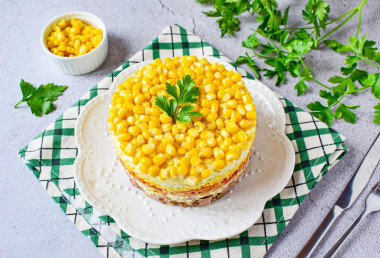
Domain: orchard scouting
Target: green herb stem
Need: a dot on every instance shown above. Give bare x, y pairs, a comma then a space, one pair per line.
337, 27
259, 55
15, 106
357, 90
369, 62
338, 100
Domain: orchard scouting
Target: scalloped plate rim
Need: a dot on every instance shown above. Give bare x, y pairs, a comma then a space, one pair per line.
121, 222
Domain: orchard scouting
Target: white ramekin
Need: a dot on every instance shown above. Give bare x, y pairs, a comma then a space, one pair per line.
79, 64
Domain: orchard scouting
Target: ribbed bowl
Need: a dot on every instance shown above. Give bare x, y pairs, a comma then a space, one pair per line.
79, 64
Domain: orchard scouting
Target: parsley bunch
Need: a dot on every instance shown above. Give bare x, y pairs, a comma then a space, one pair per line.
40, 100
187, 94
284, 48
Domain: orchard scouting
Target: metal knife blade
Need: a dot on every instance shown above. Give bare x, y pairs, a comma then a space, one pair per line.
347, 198
361, 177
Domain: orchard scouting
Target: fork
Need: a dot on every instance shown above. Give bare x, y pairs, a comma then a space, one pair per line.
372, 204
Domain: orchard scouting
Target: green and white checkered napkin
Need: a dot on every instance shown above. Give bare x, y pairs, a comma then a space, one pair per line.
52, 153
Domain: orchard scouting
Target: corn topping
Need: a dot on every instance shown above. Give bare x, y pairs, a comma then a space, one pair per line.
190, 151
73, 37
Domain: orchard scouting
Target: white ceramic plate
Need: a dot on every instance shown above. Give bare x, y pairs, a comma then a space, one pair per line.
102, 180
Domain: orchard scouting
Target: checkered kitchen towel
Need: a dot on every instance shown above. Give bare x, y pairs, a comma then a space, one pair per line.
52, 153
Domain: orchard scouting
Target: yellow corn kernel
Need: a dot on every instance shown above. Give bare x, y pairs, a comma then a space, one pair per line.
240, 109
182, 170
172, 172
230, 156
139, 110
154, 170
130, 150
170, 149
181, 151
163, 174
195, 161
210, 96
205, 111
206, 173
175, 130
164, 118
187, 145
148, 148
124, 137
238, 95
184, 161
134, 130
166, 127
192, 153
182, 127
219, 164
227, 112
247, 99
211, 117
155, 112
206, 103
249, 107
251, 115
153, 124
218, 153
146, 161
243, 124
242, 136
135, 161
180, 138
194, 172
226, 144
206, 134
236, 77
211, 141
231, 104
159, 159
206, 152
193, 133
209, 88
219, 123
224, 133
140, 139
145, 133
144, 169
231, 127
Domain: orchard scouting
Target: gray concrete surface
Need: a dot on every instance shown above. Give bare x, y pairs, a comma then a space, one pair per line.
32, 225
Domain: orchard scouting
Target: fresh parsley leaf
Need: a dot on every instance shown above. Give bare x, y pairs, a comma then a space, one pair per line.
252, 41
163, 103
250, 63
184, 92
322, 9
40, 100
301, 87
376, 118
330, 97
301, 47
343, 112
228, 24
26, 88
373, 81
185, 114
336, 46
321, 112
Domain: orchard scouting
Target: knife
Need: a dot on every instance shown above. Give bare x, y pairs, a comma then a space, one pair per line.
347, 198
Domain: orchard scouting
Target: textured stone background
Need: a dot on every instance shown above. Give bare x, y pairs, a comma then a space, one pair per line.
32, 225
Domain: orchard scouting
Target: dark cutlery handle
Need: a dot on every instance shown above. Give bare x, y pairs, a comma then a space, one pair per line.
318, 235
338, 244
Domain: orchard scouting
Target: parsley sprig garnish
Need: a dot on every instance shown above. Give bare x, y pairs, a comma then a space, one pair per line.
188, 93
40, 100
284, 50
